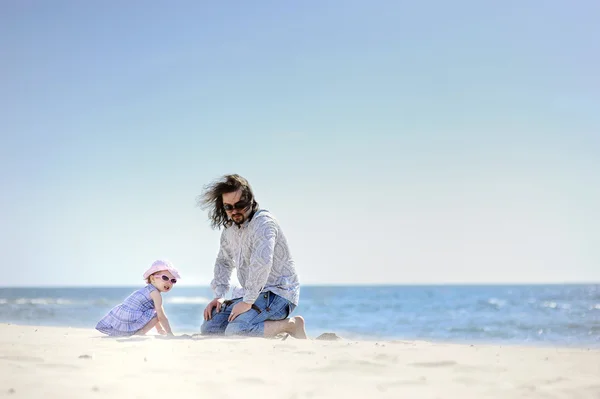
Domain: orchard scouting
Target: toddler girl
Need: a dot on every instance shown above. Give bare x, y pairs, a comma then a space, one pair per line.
143, 309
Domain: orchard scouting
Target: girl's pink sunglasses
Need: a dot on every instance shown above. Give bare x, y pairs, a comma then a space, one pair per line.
166, 278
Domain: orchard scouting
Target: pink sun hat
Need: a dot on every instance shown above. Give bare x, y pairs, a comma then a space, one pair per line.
160, 265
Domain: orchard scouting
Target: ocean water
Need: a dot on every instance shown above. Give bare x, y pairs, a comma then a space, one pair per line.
566, 315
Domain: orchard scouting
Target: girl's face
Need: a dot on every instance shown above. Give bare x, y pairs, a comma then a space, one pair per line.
163, 280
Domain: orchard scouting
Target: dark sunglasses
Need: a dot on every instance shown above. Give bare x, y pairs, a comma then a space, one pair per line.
166, 278
240, 205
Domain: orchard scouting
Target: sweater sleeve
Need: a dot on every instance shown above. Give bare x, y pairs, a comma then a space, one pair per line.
261, 260
222, 270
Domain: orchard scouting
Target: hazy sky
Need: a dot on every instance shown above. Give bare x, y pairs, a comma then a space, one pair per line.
439, 142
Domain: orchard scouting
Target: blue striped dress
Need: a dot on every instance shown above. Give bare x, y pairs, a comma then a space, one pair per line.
130, 316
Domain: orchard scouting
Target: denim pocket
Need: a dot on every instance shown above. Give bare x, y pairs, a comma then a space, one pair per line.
268, 298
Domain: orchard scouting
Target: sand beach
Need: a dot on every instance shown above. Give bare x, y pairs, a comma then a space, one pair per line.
63, 362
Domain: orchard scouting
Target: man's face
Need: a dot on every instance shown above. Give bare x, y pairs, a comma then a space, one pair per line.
231, 203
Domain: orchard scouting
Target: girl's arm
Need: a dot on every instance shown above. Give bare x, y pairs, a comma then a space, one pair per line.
160, 312
160, 329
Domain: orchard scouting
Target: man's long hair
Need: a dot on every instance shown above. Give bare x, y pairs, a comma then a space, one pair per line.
212, 198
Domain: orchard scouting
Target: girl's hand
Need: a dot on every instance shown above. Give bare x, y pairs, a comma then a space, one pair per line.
160, 330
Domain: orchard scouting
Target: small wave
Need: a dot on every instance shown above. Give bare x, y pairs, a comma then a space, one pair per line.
596, 307
468, 329
188, 300
36, 301
554, 305
42, 301
496, 302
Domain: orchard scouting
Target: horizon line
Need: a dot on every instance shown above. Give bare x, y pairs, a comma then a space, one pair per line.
439, 284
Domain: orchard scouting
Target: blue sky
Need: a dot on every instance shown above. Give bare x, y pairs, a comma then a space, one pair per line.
396, 142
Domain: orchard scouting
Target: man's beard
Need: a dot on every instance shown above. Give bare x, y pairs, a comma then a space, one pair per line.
238, 218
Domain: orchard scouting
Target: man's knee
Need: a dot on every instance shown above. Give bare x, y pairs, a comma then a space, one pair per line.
210, 327
234, 329
204, 328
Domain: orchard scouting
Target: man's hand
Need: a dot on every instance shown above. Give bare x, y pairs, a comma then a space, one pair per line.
208, 309
238, 309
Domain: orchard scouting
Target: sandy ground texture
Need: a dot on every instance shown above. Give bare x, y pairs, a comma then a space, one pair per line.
62, 362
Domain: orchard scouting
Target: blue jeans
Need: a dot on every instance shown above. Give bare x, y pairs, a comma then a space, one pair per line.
268, 306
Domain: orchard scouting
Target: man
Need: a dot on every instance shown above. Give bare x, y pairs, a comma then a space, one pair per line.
252, 242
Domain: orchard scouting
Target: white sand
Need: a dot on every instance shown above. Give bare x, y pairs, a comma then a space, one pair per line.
52, 362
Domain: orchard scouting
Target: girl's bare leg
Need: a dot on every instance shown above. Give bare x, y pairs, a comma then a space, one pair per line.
147, 327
